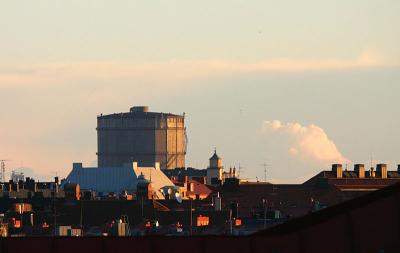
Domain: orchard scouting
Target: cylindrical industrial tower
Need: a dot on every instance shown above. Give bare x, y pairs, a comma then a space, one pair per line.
142, 136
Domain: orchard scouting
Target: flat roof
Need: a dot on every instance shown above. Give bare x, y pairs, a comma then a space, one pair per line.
141, 115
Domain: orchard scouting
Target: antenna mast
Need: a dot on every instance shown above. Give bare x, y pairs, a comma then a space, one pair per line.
265, 165
240, 170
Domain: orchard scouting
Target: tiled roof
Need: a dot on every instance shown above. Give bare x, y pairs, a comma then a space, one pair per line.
199, 188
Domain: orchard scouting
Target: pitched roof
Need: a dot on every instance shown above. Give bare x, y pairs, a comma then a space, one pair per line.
156, 177
117, 179
103, 179
199, 188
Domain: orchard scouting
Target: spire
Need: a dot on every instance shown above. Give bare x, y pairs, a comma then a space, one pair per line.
215, 156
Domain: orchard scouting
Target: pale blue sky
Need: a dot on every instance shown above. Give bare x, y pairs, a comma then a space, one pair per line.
230, 65
147, 31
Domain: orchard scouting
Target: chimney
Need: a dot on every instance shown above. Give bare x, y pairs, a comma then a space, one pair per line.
230, 172
76, 166
360, 170
186, 184
382, 170
234, 172
10, 185
217, 202
398, 168
56, 180
337, 170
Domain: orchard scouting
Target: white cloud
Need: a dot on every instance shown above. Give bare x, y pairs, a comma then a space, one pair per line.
309, 143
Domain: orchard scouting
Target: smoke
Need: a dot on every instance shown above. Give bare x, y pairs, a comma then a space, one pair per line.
309, 143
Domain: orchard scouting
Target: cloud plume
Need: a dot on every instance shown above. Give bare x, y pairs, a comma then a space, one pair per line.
310, 143
173, 70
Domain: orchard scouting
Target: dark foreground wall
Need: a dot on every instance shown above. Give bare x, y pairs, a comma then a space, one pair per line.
368, 224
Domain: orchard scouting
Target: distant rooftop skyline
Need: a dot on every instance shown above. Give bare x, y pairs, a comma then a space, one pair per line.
297, 85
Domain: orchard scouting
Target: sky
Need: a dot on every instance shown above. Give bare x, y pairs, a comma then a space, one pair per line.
297, 85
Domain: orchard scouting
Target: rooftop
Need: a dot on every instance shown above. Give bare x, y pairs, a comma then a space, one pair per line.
138, 112
117, 179
215, 156
182, 172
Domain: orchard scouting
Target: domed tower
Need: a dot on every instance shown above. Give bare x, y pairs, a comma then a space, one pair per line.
215, 170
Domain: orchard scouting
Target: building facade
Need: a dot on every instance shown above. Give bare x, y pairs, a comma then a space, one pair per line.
142, 136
